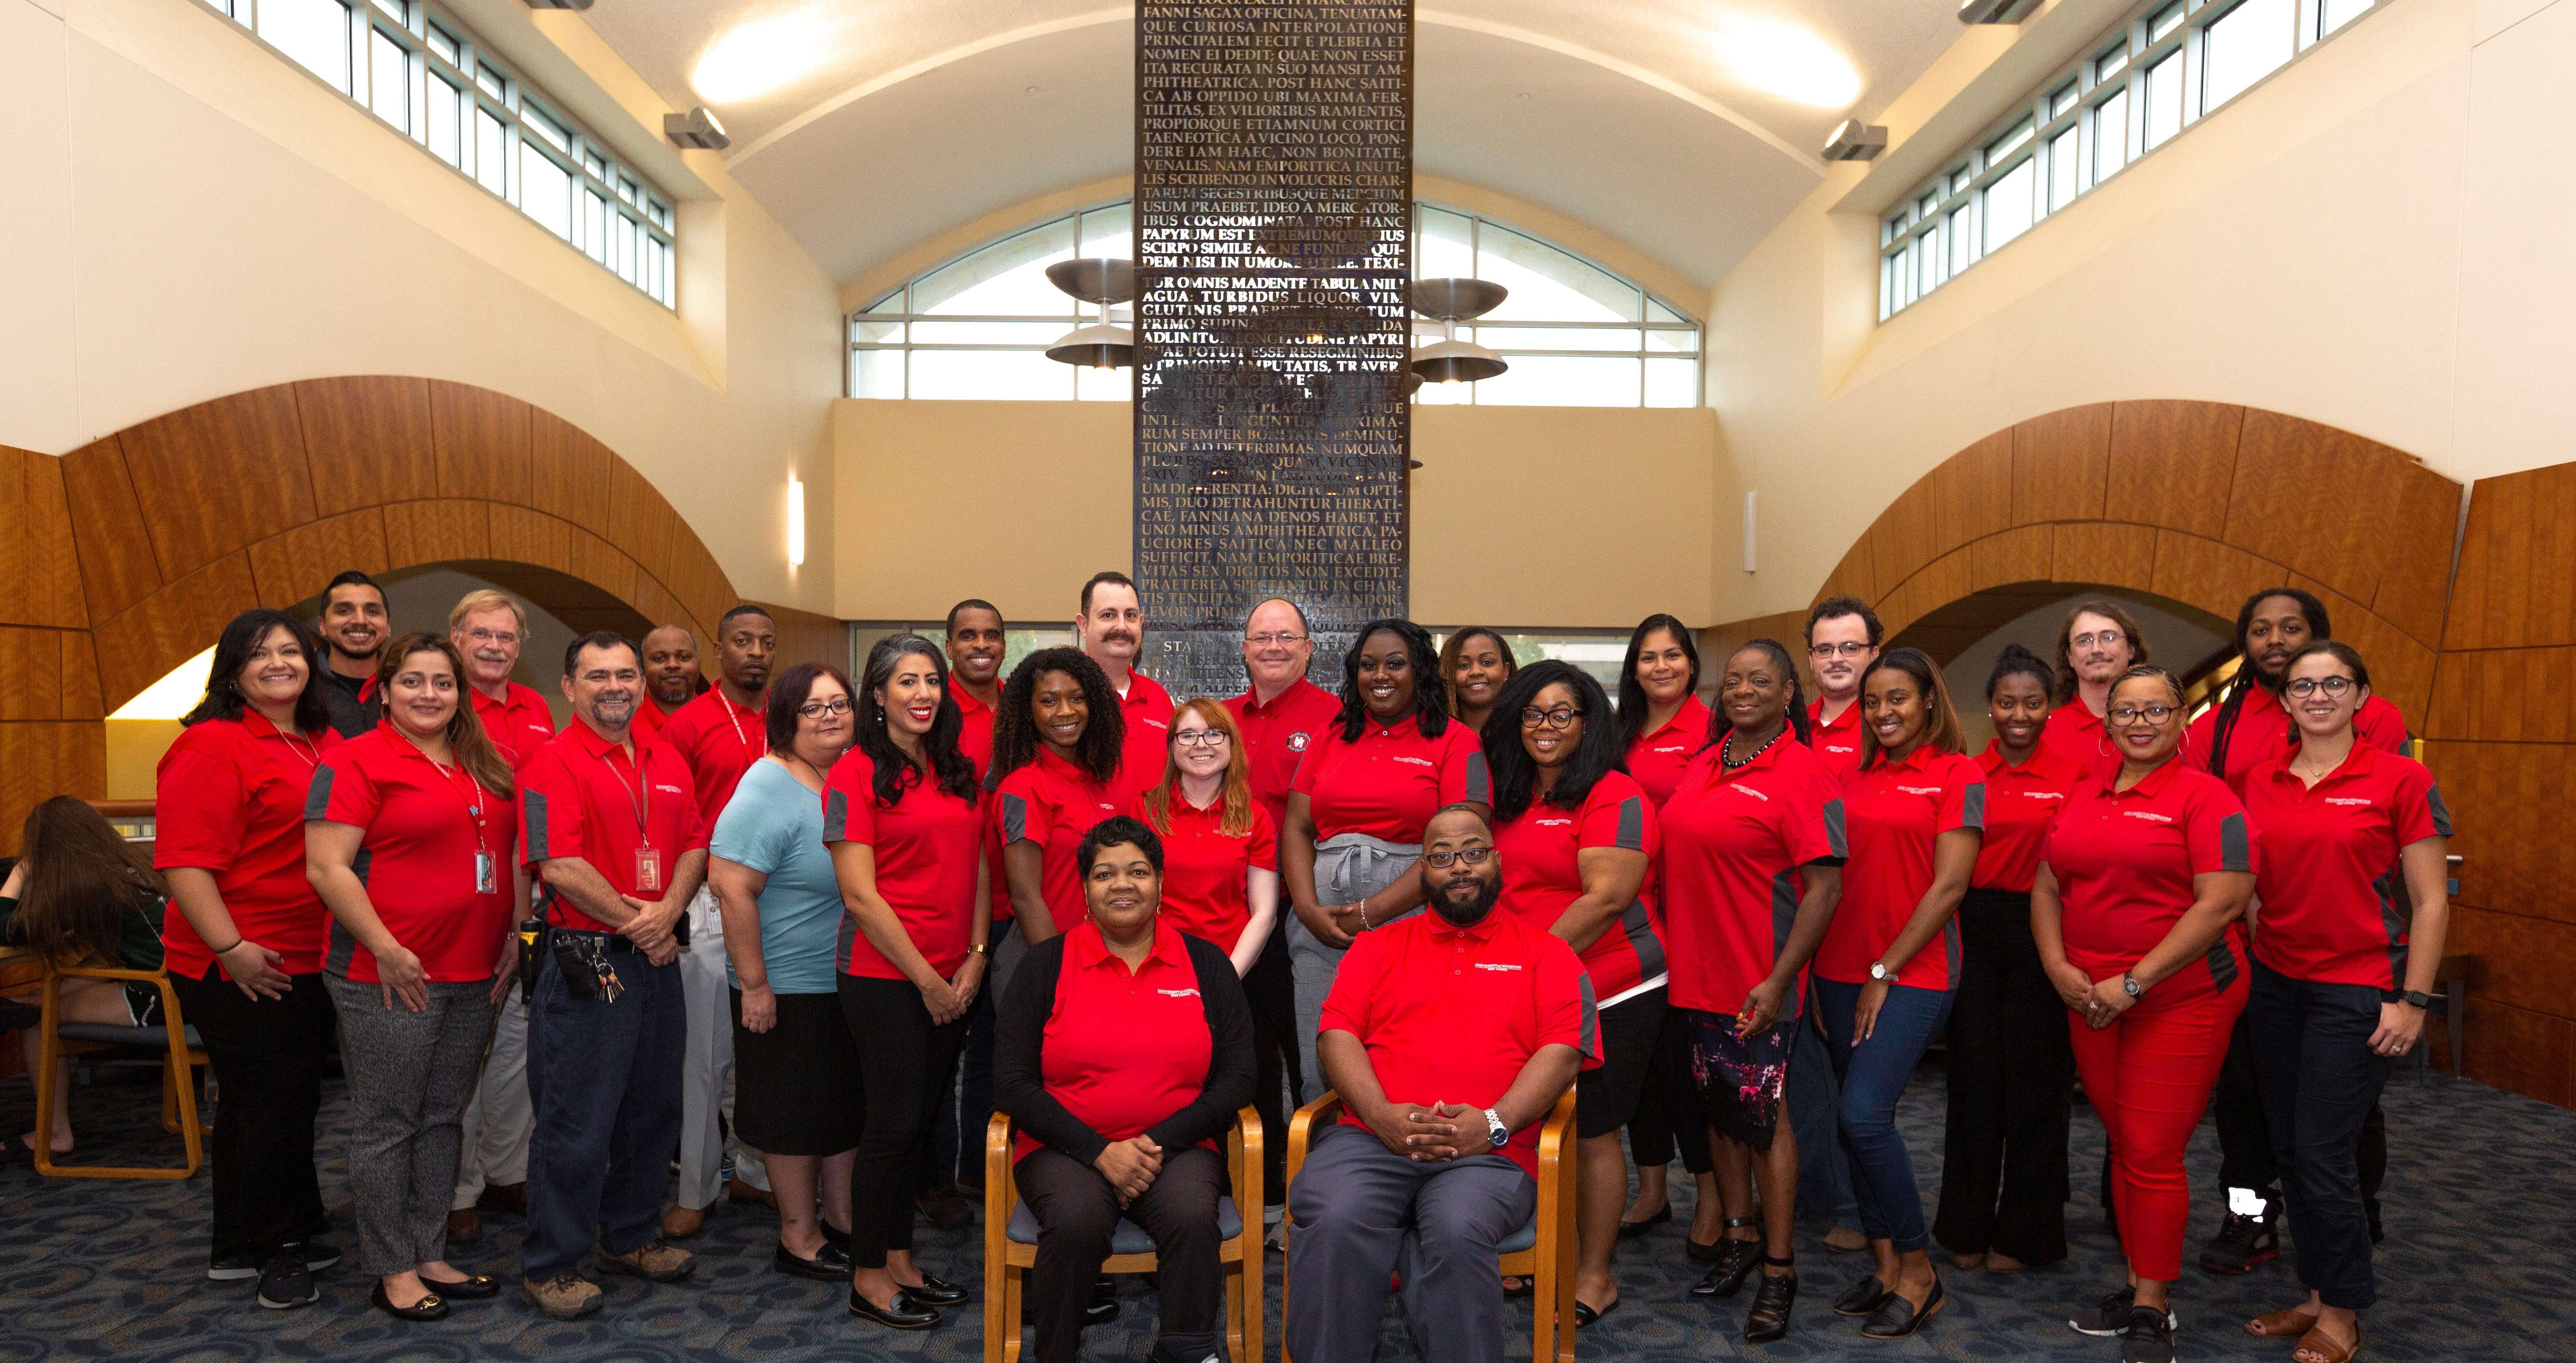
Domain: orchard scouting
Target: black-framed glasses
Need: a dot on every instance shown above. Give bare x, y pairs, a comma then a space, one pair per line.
1199, 738
1849, 648
1473, 856
2156, 715
1562, 717
2336, 688
816, 709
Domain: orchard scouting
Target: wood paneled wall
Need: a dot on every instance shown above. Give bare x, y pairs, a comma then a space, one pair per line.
2501, 739
130, 553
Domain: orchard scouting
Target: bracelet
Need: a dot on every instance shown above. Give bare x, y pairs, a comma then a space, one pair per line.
1364, 922
218, 951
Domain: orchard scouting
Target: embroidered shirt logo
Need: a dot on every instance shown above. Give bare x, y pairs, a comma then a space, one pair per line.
1178, 993
2151, 818
1748, 790
675, 790
1495, 965
1552, 823
1840, 747
1920, 790
2043, 794
1677, 747
2343, 800
1413, 761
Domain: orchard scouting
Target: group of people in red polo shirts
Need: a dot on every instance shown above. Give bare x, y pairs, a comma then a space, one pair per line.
1742, 924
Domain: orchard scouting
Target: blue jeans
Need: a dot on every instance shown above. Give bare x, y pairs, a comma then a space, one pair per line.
1874, 1075
604, 1078
1824, 1176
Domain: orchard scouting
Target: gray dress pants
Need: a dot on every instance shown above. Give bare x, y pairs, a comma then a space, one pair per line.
408, 1076
1348, 866
1360, 1212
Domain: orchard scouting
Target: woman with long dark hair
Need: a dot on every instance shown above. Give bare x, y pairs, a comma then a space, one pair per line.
1474, 664
904, 820
421, 954
1914, 813
81, 895
1058, 740
2142, 883
1755, 820
1350, 852
795, 1062
2003, 1173
2340, 989
244, 951
1577, 838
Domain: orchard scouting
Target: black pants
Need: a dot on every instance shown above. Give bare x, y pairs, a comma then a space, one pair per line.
2246, 1158
1077, 1211
954, 1154
1668, 1112
2003, 1176
2312, 1042
267, 1056
904, 1062
1271, 988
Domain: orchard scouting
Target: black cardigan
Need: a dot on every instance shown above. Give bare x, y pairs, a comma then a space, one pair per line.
1019, 1063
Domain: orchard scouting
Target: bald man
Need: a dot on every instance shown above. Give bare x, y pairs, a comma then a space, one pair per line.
671, 677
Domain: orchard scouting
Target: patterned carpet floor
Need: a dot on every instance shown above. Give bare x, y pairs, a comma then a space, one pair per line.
2480, 1263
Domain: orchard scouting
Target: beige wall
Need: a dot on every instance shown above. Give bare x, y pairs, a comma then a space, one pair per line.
1548, 518
190, 216
2371, 239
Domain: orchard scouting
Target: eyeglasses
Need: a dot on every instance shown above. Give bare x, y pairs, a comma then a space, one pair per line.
1562, 717
1849, 648
2155, 715
1200, 738
2106, 638
1473, 856
491, 636
2334, 687
1282, 637
816, 709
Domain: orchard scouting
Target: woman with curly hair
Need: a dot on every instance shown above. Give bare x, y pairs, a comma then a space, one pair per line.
1058, 740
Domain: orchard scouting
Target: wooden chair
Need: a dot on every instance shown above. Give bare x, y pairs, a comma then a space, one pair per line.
178, 1072
1543, 1250
1011, 1242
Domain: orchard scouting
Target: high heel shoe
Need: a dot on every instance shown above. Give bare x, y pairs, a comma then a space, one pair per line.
1772, 1298
1735, 1258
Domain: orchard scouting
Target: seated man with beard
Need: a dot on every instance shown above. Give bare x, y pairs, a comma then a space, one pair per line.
1449, 1035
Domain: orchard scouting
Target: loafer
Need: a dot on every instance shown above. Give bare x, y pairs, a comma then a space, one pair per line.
1630, 1230
430, 1307
653, 1261
1897, 1318
933, 1292
475, 1288
285, 1283
464, 1225
902, 1313
1861, 1298
828, 1265
837, 1239
1099, 1313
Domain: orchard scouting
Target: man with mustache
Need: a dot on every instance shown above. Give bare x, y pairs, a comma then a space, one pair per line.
488, 628
612, 829
1111, 629
1843, 636
1449, 1036
719, 735
671, 677
354, 629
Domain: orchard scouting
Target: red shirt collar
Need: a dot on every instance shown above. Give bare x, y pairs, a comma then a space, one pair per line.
1849, 718
2355, 764
1916, 760
966, 702
595, 745
1254, 705
1482, 929
1690, 706
1768, 757
1085, 947
2039, 763
2153, 783
1057, 766
1411, 723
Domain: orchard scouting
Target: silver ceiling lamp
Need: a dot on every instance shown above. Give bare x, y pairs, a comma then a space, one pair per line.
1103, 344
1449, 302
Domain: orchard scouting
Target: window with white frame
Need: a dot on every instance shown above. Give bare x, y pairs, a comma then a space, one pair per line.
422, 74
2166, 66
1575, 334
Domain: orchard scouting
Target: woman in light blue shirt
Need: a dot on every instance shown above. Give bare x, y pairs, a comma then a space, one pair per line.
794, 1062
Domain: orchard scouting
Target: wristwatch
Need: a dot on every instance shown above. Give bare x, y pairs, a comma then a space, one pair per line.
2418, 997
2129, 985
1495, 1132
1878, 971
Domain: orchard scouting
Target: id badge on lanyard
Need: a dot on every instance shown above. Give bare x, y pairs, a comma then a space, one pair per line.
487, 876
648, 868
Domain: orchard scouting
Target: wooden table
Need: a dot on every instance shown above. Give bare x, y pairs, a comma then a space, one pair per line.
20, 973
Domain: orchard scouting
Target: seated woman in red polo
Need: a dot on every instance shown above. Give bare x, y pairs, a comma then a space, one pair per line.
1122, 1050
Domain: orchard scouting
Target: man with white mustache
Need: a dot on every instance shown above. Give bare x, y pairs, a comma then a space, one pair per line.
1111, 630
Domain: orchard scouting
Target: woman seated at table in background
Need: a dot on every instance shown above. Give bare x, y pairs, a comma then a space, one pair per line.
96, 901
420, 954
795, 1063
1123, 1051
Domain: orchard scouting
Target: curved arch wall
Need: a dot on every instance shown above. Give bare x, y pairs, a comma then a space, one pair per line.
132, 551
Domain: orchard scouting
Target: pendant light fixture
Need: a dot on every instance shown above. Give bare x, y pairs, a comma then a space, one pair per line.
1103, 344
1449, 302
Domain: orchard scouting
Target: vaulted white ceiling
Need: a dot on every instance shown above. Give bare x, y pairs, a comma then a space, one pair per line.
1686, 128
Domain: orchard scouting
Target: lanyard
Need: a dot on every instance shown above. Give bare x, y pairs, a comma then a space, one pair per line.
640, 799
311, 755
473, 801
739, 741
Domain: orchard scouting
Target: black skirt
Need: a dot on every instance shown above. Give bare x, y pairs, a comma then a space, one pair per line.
796, 1085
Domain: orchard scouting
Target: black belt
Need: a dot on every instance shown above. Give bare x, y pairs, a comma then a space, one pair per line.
609, 942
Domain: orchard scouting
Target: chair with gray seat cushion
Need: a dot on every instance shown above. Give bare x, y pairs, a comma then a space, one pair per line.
184, 1052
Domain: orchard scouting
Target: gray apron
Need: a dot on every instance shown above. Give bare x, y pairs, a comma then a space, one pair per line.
1348, 866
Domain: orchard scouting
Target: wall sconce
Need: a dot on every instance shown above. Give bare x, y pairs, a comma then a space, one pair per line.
795, 522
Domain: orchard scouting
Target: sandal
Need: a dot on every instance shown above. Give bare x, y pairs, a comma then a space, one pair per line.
1516, 1288
2290, 1322
1769, 1318
2318, 1343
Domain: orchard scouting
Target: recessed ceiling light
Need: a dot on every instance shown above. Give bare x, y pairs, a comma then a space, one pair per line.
1032, 90
1787, 60
761, 56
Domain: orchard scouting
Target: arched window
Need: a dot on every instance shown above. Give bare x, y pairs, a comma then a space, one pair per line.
1575, 334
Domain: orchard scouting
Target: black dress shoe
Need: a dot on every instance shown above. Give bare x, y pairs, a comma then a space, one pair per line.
903, 1314
1630, 1230
828, 1265
1736, 1261
475, 1288
430, 1307
837, 1239
1897, 1318
933, 1292
1861, 1298
1584, 1315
